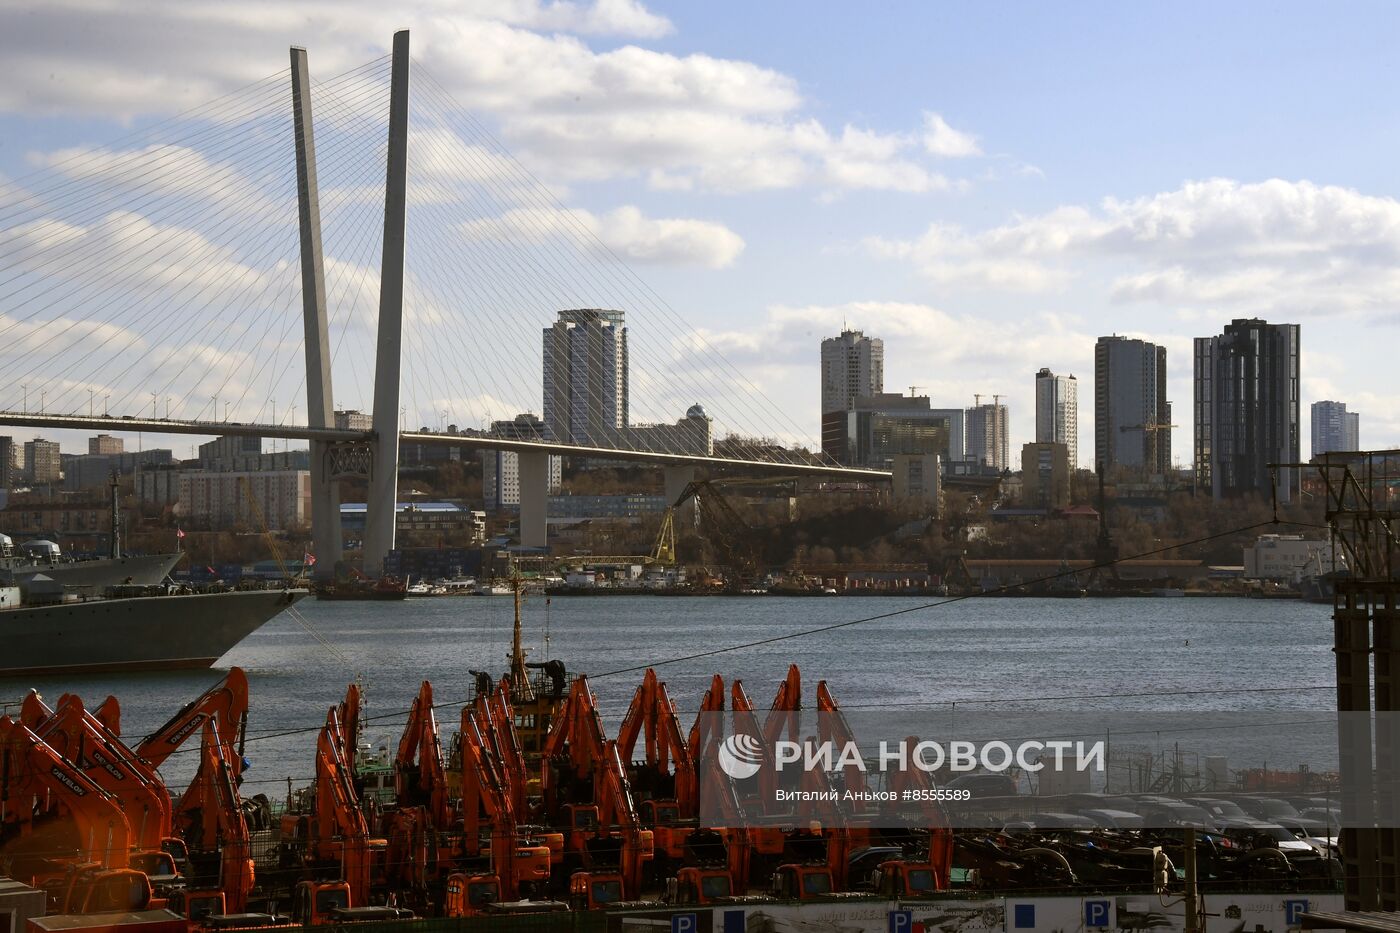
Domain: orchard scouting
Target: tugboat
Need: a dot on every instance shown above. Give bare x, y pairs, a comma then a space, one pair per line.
361, 587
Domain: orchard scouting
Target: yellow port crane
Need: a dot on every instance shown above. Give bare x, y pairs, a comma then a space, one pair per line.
247, 488
721, 525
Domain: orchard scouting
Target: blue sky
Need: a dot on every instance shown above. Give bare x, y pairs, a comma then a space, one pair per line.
987, 187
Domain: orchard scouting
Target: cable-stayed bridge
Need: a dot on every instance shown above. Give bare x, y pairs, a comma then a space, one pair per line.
166, 269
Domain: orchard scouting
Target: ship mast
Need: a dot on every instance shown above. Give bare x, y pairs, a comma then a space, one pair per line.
519, 675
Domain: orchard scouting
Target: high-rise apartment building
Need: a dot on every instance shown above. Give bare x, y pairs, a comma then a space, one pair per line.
987, 435
104, 444
11, 471
1334, 428
1132, 417
853, 366
1057, 412
1246, 408
42, 463
500, 469
585, 377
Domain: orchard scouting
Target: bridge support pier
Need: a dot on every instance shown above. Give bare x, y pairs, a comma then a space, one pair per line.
534, 498
675, 479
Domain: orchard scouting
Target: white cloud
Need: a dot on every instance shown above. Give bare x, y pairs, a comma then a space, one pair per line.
126, 251
1272, 246
940, 139
602, 17
624, 232
569, 111
158, 171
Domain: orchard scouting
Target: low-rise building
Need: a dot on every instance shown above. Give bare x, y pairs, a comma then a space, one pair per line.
220, 500
1286, 557
916, 478
104, 444
1045, 475
42, 518
693, 434
465, 524
351, 419
625, 506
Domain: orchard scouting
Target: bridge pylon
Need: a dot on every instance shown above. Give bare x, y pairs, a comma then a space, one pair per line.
383, 483
325, 492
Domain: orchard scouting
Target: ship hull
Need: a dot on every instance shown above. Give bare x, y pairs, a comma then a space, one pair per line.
134, 634
143, 570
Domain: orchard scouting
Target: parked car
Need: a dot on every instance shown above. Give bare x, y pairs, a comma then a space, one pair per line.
984, 785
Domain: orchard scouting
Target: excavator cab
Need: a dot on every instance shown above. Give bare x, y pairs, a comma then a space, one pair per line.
905, 879
177, 849
700, 886
582, 823
468, 895
197, 905
102, 891
532, 862
802, 882
655, 813
314, 902
159, 867
594, 890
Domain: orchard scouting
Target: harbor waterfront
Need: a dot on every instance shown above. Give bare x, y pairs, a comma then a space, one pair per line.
1165, 654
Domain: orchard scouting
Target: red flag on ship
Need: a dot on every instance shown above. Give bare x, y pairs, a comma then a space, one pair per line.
179, 533
308, 559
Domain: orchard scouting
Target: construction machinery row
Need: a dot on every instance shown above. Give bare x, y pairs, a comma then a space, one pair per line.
530, 807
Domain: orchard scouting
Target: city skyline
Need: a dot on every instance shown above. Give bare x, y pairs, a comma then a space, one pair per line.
770, 200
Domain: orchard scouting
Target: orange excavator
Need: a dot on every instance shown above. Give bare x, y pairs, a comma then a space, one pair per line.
83, 740
928, 861
496, 715
488, 803
422, 809
333, 838
337, 834
586, 790
665, 780
77, 853
714, 857
759, 794
211, 816
419, 777
816, 850
915, 876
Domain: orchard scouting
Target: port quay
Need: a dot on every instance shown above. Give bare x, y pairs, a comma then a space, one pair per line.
457, 473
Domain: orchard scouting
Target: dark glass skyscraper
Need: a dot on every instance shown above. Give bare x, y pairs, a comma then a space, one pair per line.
1246, 409
1132, 417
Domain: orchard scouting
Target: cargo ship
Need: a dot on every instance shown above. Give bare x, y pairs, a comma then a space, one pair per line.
131, 628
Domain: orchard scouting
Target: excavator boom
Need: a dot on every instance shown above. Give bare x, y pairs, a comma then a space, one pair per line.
227, 700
